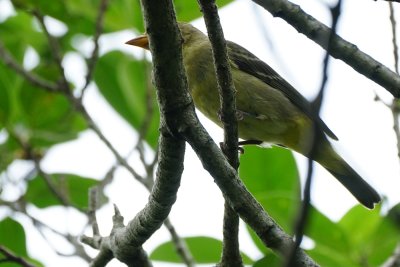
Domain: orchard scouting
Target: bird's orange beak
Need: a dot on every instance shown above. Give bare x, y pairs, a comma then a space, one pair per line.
140, 41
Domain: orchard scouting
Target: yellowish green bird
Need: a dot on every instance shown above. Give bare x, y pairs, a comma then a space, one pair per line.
269, 109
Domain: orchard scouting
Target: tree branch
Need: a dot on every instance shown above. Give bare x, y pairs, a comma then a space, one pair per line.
340, 49
64, 88
35, 80
226, 87
234, 190
179, 118
227, 95
398, 1
125, 243
11, 257
91, 63
302, 217
55, 50
92, 125
180, 245
395, 106
230, 251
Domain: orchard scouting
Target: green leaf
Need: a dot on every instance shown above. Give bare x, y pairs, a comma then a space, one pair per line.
327, 257
205, 250
10, 86
382, 242
373, 237
5, 107
49, 117
18, 31
123, 82
42, 118
80, 15
123, 14
13, 236
78, 20
325, 232
189, 10
394, 215
75, 189
269, 170
9, 150
271, 176
358, 232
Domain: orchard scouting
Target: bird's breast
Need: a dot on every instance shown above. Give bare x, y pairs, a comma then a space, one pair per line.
204, 90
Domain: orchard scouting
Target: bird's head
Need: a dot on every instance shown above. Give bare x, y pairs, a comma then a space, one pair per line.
189, 34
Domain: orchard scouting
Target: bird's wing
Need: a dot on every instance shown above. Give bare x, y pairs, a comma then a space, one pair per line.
249, 63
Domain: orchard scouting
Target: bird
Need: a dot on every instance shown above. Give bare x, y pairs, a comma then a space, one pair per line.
269, 109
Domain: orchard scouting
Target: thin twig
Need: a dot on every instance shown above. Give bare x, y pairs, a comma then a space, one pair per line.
340, 49
180, 245
395, 106
145, 126
92, 210
394, 260
258, 17
398, 1
11, 257
55, 50
30, 154
34, 79
102, 137
302, 217
95, 53
20, 206
150, 95
394, 38
59, 194
227, 94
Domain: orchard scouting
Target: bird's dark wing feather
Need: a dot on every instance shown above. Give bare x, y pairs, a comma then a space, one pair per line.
252, 65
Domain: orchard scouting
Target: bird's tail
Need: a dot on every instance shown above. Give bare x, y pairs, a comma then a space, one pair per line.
346, 175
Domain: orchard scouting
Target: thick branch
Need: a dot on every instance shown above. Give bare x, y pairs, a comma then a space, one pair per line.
340, 49
125, 243
235, 192
180, 118
163, 194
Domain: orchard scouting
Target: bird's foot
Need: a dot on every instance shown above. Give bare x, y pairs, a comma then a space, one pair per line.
241, 144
